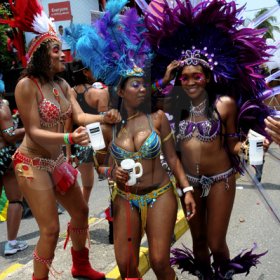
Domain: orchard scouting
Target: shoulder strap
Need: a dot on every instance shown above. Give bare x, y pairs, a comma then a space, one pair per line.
150, 121
114, 132
37, 84
75, 90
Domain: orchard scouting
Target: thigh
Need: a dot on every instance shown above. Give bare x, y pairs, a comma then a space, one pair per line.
198, 223
38, 190
11, 187
73, 201
219, 207
87, 173
161, 220
127, 226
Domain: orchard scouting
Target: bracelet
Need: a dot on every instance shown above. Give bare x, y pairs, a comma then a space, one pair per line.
70, 138
187, 189
66, 138
160, 82
102, 120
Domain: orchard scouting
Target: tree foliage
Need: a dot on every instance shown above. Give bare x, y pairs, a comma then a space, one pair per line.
269, 24
5, 57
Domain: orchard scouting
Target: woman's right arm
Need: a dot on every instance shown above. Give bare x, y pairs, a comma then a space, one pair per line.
10, 134
28, 107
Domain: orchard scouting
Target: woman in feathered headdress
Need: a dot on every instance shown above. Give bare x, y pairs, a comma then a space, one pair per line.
117, 53
216, 65
43, 175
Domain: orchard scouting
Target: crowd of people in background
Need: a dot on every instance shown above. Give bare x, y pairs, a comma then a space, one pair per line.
200, 138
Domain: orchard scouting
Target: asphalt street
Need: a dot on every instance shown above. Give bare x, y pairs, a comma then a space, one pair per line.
255, 218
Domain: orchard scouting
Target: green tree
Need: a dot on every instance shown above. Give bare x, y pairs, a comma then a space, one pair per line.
5, 57
269, 24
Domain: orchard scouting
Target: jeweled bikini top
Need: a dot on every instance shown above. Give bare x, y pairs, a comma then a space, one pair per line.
207, 130
50, 113
149, 149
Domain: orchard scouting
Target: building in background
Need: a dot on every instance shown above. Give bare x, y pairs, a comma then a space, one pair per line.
62, 11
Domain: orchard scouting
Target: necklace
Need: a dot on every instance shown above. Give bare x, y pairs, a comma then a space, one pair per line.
123, 129
133, 116
198, 110
55, 92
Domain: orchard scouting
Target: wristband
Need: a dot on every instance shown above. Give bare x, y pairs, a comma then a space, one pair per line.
66, 138
70, 139
187, 189
160, 82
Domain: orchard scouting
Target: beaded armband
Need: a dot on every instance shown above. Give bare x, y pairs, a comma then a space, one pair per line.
9, 131
157, 85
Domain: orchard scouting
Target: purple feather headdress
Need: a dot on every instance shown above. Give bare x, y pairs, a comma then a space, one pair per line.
114, 46
242, 263
210, 34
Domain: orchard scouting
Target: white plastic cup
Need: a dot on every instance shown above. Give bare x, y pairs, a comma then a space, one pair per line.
255, 148
130, 166
96, 136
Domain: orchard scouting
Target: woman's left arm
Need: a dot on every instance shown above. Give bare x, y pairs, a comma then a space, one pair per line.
227, 109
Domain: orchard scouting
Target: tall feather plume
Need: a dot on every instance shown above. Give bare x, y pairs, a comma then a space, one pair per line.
72, 35
216, 25
114, 44
29, 16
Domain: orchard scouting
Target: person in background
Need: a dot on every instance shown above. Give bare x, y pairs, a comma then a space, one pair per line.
44, 176
9, 136
65, 46
93, 98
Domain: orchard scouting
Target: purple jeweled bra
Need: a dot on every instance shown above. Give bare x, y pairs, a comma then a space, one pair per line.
207, 130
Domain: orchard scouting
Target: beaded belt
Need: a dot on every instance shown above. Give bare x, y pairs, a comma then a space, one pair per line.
39, 163
207, 182
142, 201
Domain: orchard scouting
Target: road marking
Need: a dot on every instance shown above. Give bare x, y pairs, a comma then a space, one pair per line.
10, 270
181, 227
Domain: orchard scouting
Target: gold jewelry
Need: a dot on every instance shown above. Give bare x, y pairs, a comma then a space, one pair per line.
133, 116
168, 137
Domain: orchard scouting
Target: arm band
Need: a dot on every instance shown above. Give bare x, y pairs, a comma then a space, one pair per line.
166, 138
9, 131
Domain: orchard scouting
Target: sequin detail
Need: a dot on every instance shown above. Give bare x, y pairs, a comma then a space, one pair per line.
150, 149
51, 115
206, 182
207, 130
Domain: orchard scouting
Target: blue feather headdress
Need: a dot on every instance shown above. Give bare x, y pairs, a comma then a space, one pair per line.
2, 84
114, 46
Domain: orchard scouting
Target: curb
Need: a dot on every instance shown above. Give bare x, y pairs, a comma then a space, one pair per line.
181, 227
9, 270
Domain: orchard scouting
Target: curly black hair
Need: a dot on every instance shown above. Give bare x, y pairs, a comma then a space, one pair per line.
40, 63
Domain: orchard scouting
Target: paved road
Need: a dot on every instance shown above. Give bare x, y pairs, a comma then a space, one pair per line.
252, 221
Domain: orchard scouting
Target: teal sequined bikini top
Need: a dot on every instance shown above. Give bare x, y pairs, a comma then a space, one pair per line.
150, 149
